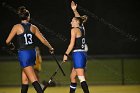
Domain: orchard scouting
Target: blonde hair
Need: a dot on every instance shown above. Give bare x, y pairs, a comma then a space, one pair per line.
82, 19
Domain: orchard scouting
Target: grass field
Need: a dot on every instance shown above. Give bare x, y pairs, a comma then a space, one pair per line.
99, 71
93, 89
103, 76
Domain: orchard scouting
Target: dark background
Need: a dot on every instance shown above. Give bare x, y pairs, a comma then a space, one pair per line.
53, 18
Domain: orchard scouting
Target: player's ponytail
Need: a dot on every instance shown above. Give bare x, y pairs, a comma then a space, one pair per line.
82, 19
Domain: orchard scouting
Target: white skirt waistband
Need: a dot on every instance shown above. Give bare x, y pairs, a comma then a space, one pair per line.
79, 50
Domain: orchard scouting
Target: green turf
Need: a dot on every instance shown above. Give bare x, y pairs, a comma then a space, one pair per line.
99, 71
93, 89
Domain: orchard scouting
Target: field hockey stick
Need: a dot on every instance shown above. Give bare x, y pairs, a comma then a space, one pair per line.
58, 64
52, 77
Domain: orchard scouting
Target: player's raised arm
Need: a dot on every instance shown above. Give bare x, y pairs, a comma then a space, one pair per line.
74, 8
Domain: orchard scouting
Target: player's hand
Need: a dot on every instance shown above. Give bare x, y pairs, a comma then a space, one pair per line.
65, 58
51, 50
11, 46
73, 5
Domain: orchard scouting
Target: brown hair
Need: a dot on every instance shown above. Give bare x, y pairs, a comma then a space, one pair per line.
23, 13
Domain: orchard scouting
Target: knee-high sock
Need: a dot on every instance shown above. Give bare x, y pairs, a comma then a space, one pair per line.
37, 87
84, 87
24, 88
73, 87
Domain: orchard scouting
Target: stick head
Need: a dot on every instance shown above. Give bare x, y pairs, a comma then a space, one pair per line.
48, 84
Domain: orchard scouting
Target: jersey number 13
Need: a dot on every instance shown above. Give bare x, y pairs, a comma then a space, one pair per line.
28, 39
